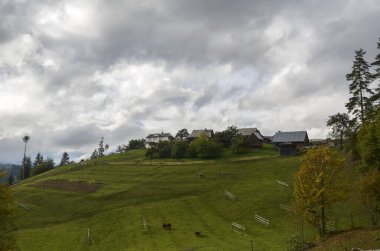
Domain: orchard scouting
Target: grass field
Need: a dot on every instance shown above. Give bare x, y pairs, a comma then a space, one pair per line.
131, 188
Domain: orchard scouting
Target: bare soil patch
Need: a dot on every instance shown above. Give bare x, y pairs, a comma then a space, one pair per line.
70, 186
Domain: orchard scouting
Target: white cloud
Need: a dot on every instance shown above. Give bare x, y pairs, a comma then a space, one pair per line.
71, 72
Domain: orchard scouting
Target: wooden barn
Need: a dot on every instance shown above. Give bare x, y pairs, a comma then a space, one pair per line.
289, 142
196, 133
253, 136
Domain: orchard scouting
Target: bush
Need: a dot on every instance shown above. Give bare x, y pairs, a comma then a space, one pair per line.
225, 137
136, 144
151, 152
43, 167
192, 150
239, 144
164, 149
179, 149
206, 148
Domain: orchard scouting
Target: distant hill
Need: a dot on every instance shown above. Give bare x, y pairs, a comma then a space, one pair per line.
9, 168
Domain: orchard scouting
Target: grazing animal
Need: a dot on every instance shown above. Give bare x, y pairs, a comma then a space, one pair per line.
197, 232
200, 175
167, 226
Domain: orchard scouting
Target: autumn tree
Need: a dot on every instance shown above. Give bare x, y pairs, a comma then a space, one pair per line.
317, 186
7, 215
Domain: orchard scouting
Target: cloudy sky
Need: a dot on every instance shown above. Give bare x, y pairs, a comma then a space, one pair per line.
73, 71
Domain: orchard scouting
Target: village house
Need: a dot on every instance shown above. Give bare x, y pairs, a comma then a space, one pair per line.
154, 138
289, 142
196, 133
253, 136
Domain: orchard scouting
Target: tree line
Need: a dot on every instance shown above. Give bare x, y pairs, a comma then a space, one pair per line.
203, 146
39, 165
319, 182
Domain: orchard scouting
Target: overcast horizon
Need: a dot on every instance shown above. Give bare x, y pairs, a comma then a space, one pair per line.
74, 71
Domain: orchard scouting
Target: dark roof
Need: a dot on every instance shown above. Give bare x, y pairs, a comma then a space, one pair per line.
250, 131
159, 135
197, 133
298, 136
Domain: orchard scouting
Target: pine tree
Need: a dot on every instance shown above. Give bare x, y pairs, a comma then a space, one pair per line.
45, 166
360, 103
38, 160
94, 154
101, 148
26, 168
65, 160
376, 76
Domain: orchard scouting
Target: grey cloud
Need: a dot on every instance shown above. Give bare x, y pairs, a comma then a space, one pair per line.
205, 50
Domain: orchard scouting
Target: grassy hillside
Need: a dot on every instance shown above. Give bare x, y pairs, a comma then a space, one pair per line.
113, 195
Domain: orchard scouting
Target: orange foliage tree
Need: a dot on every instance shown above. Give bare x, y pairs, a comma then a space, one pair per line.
317, 185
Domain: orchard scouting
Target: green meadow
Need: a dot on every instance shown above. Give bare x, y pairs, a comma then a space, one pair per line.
132, 190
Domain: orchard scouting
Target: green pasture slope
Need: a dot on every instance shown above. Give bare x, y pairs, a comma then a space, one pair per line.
134, 188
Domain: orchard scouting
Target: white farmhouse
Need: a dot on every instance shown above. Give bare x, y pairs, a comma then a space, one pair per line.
154, 138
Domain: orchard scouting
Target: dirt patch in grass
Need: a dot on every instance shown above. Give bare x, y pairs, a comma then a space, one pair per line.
70, 186
360, 238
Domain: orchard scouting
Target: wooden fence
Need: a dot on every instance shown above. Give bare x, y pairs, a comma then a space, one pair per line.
261, 220
229, 195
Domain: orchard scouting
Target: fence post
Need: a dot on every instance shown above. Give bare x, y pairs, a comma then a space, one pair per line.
88, 236
252, 245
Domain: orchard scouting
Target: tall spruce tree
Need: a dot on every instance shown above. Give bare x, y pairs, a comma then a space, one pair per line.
360, 104
27, 167
376, 76
65, 160
38, 160
94, 154
101, 148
